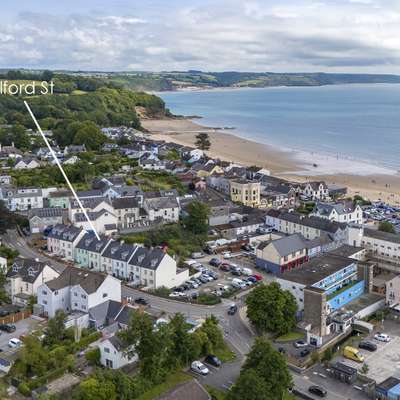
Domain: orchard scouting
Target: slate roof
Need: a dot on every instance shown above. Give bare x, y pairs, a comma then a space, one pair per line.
340, 208
65, 232
118, 251
128, 191
28, 269
105, 313
93, 215
46, 212
90, 202
125, 202
390, 237
161, 203
346, 250
88, 280
118, 343
90, 243
286, 245
147, 258
89, 193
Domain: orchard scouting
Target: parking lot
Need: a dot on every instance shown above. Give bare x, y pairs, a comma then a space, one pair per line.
227, 276
385, 361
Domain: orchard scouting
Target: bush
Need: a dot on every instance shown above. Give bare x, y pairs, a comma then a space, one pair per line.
93, 356
23, 388
208, 299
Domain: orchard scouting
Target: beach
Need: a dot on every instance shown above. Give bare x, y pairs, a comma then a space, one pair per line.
369, 181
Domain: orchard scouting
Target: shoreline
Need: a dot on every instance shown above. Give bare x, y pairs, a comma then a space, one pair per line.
291, 165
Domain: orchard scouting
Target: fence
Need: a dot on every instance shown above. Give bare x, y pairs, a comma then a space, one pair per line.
10, 319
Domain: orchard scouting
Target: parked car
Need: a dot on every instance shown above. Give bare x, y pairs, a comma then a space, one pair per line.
199, 367
304, 353
194, 295
142, 301
365, 345
236, 271
194, 284
4, 313
215, 262
382, 337
208, 277
251, 279
318, 390
227, 254
258, 277
213, 360
299, 343
247, 247
203, 279
247, 271
238, 283
9, 328
232, 309
14, 342
197, 254
213, 275
225, 267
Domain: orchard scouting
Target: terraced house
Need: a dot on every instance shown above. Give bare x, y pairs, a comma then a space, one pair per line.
62, 240
88, 251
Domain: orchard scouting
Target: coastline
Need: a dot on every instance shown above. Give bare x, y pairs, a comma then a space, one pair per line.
374, 183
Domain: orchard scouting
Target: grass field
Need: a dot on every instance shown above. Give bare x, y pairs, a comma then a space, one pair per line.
289, 337
170, 383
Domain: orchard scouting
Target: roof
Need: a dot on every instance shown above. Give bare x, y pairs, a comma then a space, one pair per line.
344, 368
341, 208
346, 250
65, 232
118, 343
26, 268
161, 203
388, 383
120, 251
88, 280
93, 215
376, 234
46, 212
105, 313
89, 193
192, 390
286, 245
319, 241
149, 259
317, 269
90, 202
90, 243
125, 202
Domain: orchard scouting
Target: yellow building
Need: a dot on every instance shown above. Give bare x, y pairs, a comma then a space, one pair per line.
245, 192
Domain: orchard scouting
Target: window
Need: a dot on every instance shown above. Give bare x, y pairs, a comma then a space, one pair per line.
75, 294
76, 304
105, 295
44, 302
83, 296
44, 292
106, 350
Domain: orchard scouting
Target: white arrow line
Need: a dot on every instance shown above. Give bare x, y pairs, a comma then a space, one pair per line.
62, 170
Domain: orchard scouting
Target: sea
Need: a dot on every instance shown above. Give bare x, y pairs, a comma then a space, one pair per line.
343, 128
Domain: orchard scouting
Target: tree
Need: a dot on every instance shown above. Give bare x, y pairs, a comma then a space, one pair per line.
197, 218
386, 226
203, 141
20, 137
56, 331
94, 389
271, 309
89, 134
270, 367
250, 386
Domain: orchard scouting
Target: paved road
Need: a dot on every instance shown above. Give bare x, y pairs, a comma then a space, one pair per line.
15, 241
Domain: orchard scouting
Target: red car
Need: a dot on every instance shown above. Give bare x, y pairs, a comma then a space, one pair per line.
225, 267
257, 277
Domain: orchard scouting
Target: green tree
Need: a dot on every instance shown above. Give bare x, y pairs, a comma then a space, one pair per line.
20, 137
250, 386
197, 219
270, 366
94, 389
386, 226
89, 134
56, 331
203, 141
271, 309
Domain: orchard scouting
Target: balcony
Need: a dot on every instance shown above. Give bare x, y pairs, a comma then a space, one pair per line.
341, 290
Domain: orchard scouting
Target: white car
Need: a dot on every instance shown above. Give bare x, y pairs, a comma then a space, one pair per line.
227, 254
14, 342
199, 367
382, 337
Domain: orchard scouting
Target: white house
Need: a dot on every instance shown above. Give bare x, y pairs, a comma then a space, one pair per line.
71, 160
21, 199
77, 290
127, 211
104, 221
26, 163
346, 212
382, 244
5, 180
315, 190
165, 208
24, 278
62, 240
91, 204
114, 353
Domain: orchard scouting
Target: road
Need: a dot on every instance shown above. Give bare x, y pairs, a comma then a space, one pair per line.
236, 332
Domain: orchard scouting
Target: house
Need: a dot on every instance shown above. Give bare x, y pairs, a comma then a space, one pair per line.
151, 163
26, 163
204, 170
345, 212
62, 240
22, 199
165, 208
245, 192
3, 265
281, 255
90, 204
9, 152
103, 221
71, 160
115, 258
5, 180
77, 290
24, 278
127, 211
115, 353
59, 199
42, 218
74, 149
280, 196
315, 190
88, 251
382, 245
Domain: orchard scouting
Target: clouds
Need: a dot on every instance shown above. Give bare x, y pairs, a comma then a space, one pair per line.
256, 35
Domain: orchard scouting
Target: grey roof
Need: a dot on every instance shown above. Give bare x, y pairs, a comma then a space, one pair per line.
346, 250
89, 193
317, 269
161, 203
93, 215
105, 313
89, 281
118, 251
128, 191
27, 268
46, 212
124, 315
90, 202
125, 202
65, 232
324, 239
286, 245
90, 243
118, 343
390, 237
341, 208
147, 258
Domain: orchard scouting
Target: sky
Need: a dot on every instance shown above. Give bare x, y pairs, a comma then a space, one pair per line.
357, 36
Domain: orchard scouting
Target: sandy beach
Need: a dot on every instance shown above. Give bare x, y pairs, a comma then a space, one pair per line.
372, 182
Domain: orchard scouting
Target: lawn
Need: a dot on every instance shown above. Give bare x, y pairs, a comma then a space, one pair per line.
170, 383
289, 337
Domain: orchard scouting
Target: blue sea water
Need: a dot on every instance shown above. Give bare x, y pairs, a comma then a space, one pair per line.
360, 122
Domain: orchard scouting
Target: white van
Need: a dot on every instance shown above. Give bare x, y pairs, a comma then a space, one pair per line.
247, 271
14, 342
238, 283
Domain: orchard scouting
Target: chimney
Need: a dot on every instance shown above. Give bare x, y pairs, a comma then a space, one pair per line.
12, 144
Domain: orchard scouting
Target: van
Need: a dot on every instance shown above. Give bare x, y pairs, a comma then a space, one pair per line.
14, 342
353, 354
247, 271
197, 254
238, 283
